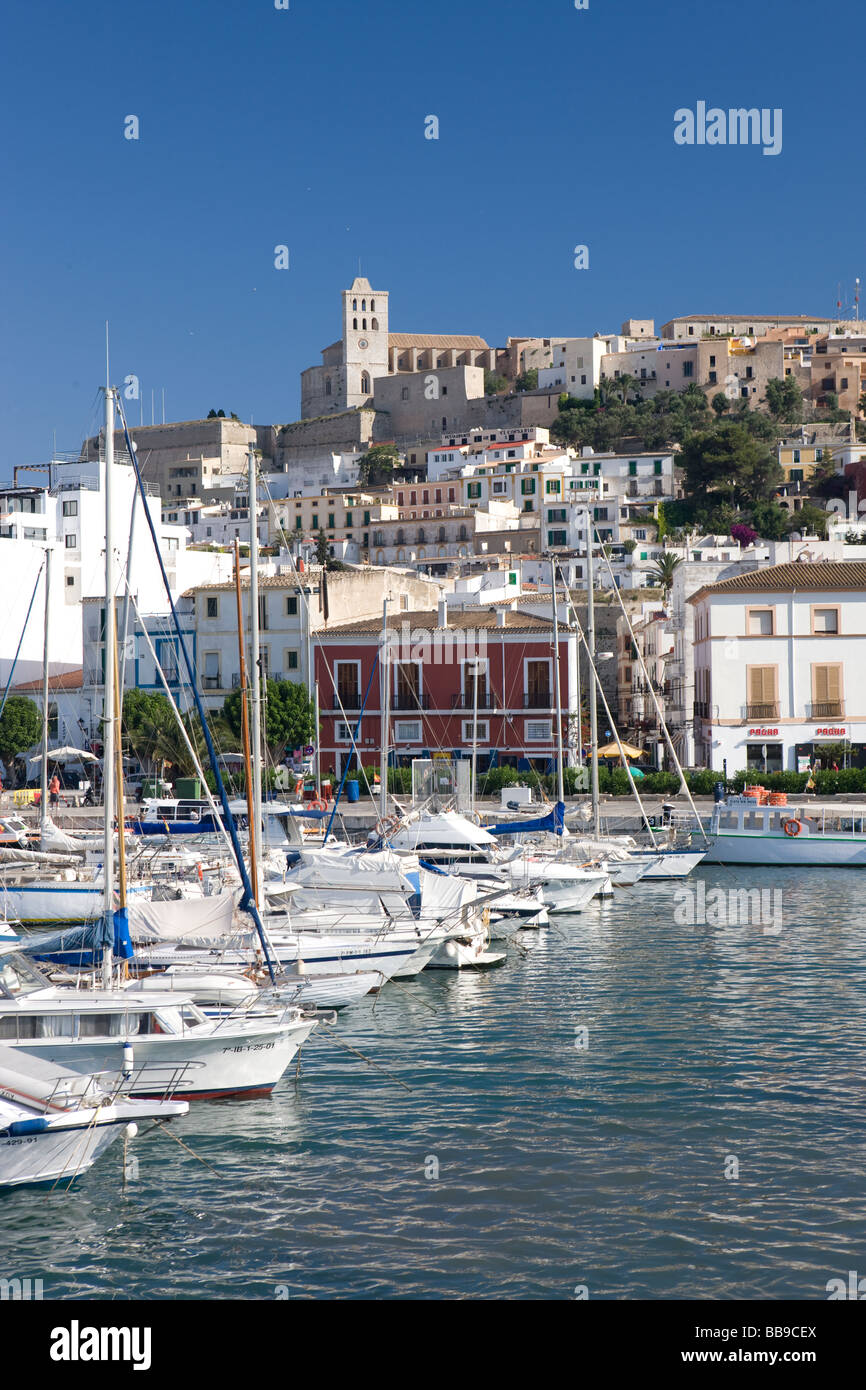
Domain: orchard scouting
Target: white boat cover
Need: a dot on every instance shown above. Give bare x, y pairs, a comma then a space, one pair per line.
172, 921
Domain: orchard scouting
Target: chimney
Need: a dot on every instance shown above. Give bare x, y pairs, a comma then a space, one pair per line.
501, 617
442, 620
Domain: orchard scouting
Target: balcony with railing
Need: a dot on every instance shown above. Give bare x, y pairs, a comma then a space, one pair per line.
346, 700
538, 699
410, 700
465, 699
702, 709
763, 711
826, 709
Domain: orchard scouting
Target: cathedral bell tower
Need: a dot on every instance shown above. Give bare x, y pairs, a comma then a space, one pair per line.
365, 339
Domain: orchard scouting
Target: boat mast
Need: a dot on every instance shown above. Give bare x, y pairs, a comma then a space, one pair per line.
43, 795
474, 772
560, 774
108, 770
256, 822
385, 668
118, 771
593, 712
245, 725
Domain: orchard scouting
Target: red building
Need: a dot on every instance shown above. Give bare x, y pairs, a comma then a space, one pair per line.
431, 662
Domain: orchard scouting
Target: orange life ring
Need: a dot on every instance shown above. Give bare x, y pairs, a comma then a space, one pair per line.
792, 827
318, 805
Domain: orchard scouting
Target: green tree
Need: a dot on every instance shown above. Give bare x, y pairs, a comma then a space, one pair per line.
147, 716
784, 399
322, 552
20, 726
720, 403
809, 518
527, 381
376, 467
493, 383
729, 463
663, 570
290, 716
769, 520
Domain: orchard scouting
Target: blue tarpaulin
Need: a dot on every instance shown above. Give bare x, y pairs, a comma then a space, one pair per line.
553, 821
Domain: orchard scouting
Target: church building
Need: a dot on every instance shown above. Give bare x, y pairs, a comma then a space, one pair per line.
367, 351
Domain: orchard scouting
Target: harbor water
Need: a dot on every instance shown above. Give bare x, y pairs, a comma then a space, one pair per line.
635, 1106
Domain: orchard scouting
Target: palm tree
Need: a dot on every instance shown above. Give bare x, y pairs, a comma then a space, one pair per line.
608, 389
664, 570
628, 386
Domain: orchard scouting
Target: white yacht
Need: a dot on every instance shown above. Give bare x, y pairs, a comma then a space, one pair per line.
451, 841
151, 1043
55, 1123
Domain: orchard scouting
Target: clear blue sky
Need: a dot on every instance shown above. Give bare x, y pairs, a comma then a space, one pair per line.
306, 127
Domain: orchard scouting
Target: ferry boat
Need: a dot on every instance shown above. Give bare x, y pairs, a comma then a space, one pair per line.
816, 835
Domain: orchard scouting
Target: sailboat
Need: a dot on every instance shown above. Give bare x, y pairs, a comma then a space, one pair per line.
159, 1042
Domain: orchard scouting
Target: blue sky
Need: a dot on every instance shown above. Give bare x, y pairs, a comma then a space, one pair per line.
305, 127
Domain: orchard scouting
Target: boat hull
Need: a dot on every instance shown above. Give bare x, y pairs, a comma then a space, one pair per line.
801, 851
54, 1154
246, 1063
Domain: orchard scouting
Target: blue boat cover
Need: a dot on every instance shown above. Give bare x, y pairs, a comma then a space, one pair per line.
553, 821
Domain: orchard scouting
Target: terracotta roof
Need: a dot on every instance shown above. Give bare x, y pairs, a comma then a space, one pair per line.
435, 340
825, 577
266, 581
64, 680
458, 619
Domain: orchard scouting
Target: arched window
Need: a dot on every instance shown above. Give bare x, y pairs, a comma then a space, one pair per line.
354, 323
374, 324
364, 324
372, 306
327, 386
441, 550
422, 554
421, 537
399, 539
441, 533
363, 306
401, 556
354, 304
365, 383
463, 534
380, 557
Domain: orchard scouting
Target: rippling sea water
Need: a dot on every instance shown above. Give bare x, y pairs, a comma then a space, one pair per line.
558, 1165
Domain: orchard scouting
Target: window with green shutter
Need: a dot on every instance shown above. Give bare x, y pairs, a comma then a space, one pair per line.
348, 518
632, 469
527, 486
657, 465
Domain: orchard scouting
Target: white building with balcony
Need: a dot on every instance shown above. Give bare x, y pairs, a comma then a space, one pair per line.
780, 666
